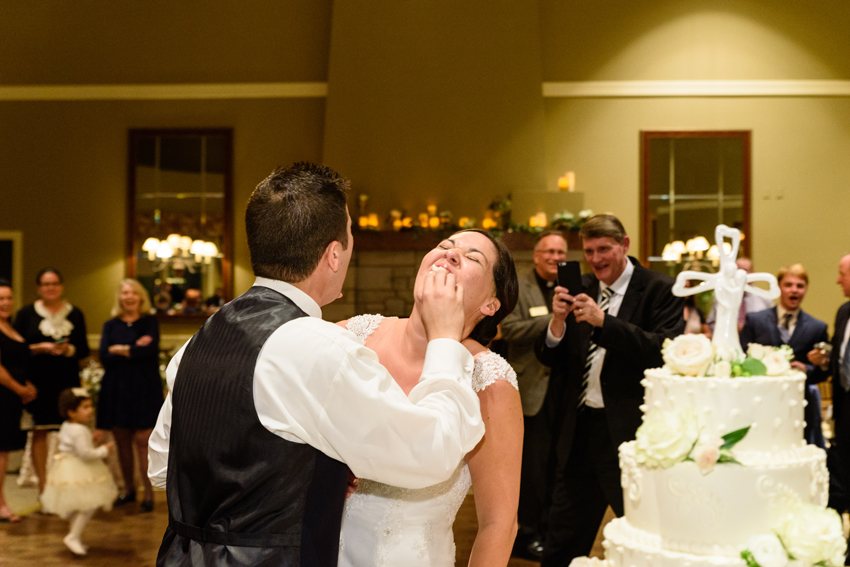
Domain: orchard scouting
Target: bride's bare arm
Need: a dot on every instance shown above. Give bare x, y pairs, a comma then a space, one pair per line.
494, 465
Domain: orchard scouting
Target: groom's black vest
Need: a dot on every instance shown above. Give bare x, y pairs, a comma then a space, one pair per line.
239, 495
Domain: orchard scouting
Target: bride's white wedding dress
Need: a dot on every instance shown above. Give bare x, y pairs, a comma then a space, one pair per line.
389, 526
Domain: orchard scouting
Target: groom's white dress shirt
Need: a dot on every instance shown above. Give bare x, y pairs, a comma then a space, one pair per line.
315, 383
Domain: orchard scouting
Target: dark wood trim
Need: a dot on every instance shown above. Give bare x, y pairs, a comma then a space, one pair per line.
227, 238
647, 135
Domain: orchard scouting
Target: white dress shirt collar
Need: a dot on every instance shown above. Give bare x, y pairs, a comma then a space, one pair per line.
620, 285
301, 299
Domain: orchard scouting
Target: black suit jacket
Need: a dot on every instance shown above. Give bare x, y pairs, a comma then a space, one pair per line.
762, 327
649, 314
839, 396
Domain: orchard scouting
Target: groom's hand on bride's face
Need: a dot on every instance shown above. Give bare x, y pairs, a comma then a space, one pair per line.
442, 306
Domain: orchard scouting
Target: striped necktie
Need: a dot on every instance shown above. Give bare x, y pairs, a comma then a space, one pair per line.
785, 328
592, 349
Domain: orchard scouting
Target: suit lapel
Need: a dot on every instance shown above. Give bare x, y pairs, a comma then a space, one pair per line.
534, 294
799, 330
633, 292
775, 337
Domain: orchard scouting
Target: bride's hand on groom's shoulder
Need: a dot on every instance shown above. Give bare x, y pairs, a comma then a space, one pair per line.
442, 306
353, 481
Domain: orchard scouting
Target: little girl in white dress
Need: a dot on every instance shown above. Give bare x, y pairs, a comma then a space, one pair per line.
78, 483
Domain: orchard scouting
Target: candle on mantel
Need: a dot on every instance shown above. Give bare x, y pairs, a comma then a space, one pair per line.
395, 217
423, 220
373, 220
363, 221
434, 222
463, 221
432, 210
538, 220
407, 222
488, 223
567, 182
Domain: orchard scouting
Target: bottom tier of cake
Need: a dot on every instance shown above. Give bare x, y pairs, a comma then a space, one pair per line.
627, 546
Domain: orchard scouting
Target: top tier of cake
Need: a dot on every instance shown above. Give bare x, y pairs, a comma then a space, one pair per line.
772, 406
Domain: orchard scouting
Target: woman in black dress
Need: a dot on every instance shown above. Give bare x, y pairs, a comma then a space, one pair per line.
14, 391
131, 389
55, 331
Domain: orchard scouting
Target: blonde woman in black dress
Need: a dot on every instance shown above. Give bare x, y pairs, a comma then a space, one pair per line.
131, 390
14, 391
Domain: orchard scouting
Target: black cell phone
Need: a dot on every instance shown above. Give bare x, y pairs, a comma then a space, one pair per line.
569, 276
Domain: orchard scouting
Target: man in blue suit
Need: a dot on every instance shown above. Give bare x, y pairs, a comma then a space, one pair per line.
788, 324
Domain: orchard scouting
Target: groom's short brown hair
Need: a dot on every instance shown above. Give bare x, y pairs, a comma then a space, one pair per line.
292, 216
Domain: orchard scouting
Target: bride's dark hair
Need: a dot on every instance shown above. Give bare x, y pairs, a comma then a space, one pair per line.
507, 290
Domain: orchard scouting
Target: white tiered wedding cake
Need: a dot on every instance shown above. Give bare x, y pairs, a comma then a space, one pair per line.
719, 474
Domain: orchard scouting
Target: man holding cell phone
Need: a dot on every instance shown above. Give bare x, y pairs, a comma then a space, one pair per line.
600, 340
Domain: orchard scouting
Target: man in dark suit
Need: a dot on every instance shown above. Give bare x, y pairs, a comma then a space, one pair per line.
788, 324
599, 343
540, 404
838, 364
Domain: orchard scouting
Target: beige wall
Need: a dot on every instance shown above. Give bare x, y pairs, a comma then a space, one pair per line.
426, 102
800, 169
436, 103
63, 178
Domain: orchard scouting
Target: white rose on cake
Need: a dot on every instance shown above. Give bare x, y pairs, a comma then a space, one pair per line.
767, 551
776, 363
666, 438
689, 355
812, 534
757, 351
722, 369
588, 562
706, 453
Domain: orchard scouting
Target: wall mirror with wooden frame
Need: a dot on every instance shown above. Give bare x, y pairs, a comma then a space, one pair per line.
690, 183
179, 217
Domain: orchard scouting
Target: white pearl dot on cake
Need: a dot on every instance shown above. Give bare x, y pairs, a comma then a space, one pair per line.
804, 424
796, 423
646, 383
712, 386
706, 409
735, 412
805, 403
757, 400
721, 427
657, 404
643, 408
736, 386
785, 386
606, 544
777, 422
754, 425
792, 403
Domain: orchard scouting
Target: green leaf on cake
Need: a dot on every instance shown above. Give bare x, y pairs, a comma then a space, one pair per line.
732, 438
747, 556
754, 367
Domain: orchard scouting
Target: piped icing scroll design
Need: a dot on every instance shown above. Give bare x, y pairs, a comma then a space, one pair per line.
780, 497
820, 482
695, 500
631, 479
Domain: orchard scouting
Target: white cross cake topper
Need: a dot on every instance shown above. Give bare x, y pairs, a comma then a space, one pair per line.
729, 285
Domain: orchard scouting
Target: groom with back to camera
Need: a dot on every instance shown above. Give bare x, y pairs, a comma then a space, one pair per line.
269, 406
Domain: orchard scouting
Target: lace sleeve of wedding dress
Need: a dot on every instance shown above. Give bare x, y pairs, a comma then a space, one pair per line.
364, 325
490, 367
